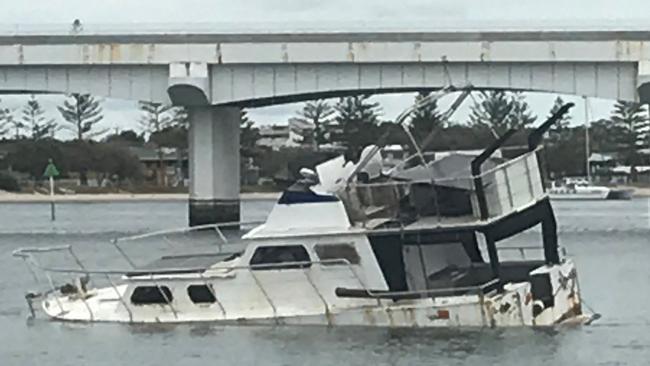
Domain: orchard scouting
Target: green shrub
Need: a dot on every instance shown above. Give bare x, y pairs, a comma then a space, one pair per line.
8, 183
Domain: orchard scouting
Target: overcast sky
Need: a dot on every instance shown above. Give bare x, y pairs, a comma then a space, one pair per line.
260, 15
287, 12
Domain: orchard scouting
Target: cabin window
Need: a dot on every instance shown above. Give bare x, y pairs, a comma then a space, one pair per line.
330, 252
200, 294
147, 295
272, 257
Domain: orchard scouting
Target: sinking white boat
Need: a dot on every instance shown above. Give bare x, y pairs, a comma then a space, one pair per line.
350, 245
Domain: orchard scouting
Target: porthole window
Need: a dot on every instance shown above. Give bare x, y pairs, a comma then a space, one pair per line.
272, 257
200, 294
147, 295
331, 252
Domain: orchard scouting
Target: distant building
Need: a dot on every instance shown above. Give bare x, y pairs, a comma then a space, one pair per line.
276, 137
298, 128
623, 174
175, 164
609, 168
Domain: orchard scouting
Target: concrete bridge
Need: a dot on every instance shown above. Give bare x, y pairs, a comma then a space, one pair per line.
216, 75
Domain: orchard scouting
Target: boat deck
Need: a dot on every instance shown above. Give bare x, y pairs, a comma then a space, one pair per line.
178, 264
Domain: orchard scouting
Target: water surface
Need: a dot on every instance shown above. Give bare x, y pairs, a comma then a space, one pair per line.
608, 240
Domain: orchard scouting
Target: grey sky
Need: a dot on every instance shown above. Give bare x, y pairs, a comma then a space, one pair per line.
259, 15
310, 11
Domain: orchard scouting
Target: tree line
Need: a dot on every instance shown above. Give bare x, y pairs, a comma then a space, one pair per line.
354, 122
80, 112
350, 123
29, 136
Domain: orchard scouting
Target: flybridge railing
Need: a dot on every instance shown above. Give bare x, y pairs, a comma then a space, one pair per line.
203, 274
144, 275
508, 187
218, 229
41, 273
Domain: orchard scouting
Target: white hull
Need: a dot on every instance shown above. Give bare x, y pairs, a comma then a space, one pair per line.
577, 197
580, 193
300, 306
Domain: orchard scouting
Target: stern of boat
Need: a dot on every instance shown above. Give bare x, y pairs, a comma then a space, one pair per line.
556, 294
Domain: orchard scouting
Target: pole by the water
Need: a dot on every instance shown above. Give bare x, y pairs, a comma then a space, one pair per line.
51, 172
587, 139
52, 209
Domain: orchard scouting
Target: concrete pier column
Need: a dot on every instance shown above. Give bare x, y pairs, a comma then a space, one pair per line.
214, 164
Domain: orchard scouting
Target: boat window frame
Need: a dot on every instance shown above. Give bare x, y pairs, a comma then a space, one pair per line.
327, 260
209, 292
165, 293
277, 265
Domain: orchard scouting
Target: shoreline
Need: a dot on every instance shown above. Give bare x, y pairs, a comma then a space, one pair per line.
6, 197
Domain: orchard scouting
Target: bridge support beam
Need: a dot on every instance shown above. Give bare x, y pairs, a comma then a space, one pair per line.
214, 164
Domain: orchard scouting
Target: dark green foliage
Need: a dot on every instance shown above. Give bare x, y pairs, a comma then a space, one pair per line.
283, 165
558, 130
31, 157
172, 136
107, 160
425, 119
393, 134
82, 112
4, 123
500, 111
628, 123
313, 122
115, 163
181, 118
33, 118
8, 183
167, 127
10, 125
560, 158
126, 137
566, 156
357, 124
155, 116
249, 134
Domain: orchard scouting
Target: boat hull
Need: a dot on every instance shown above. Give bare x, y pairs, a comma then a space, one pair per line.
512, 307
577, 197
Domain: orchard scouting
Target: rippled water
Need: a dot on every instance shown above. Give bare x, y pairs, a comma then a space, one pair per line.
609, 241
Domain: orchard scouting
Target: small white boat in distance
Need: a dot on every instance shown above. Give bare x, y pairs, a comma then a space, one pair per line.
582, 189
349, 246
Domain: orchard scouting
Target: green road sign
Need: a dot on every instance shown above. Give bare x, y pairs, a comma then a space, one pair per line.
51, 170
